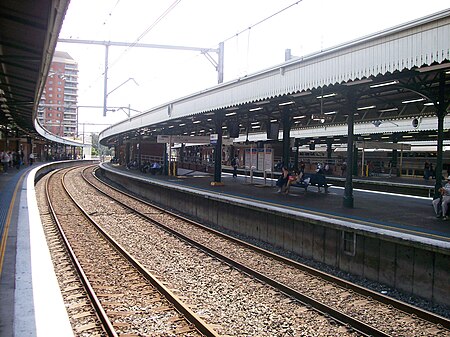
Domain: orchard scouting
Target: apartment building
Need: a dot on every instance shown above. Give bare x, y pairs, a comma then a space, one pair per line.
58, 106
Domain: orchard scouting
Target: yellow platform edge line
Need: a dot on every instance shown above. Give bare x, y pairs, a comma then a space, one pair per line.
7, 223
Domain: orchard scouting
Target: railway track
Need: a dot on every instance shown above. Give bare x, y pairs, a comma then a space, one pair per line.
230, 300
236, 288
82, 314
359, 308
124, 299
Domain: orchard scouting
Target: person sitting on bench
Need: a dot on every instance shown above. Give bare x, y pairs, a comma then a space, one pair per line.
298, 180
440, 205
283, 180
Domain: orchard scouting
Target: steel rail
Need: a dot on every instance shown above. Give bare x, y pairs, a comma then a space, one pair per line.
100, 311
410, 309
344, 319
198, 323
405, 307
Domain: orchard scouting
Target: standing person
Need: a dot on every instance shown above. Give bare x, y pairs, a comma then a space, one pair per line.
327, 168
31, 158
426, 171
302, 167
16, 160
343, 168
3, 155
6, 158
235, 164
444, 201
9, 159
432, 174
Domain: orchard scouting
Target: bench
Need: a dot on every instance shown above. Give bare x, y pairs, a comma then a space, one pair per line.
314, 179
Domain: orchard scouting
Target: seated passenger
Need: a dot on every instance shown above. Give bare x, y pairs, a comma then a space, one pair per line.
145, 167
441, 204
298, 180
132, 165
155, 168
282, 182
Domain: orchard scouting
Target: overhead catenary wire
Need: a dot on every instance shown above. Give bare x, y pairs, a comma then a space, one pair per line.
146, 31
111, 12
248, 28
170, 8
263, 20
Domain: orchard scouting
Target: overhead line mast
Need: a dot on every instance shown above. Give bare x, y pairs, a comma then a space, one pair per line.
205, 51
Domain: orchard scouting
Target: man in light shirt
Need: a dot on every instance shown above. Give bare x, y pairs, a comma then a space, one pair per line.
445, 197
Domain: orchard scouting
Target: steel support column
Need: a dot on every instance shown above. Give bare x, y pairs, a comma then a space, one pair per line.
394, 161
297, 144
348, 192
329, 149
218, 152
286, 120
138, 145
127, 153
441, 112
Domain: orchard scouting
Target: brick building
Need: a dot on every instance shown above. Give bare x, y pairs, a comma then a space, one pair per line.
57, 109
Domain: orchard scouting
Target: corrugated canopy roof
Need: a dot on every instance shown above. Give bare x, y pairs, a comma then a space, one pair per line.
28, 36
412, 56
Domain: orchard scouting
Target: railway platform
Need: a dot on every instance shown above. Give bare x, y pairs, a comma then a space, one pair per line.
409, 214
31, 301
393, 239
390, 238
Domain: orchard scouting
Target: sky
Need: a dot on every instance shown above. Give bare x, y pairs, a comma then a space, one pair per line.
255, 33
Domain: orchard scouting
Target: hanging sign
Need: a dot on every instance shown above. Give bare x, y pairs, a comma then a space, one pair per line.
182, 139
213, 138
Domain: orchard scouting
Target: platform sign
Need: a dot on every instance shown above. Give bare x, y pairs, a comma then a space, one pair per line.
250, 158
180, 139
265, 159
213, 138
227, 141
383, 145
268, 160
261, 158
163, 139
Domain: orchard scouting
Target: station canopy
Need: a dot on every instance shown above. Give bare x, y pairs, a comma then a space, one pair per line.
396, 75
28, 36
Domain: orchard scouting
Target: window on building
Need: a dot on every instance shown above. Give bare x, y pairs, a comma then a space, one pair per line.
59, 89
50, 95
50, 89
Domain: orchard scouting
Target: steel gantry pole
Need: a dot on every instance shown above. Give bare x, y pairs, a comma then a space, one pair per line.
218, 121
105, 81
287, 121
220, 55
205, 51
